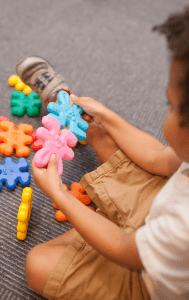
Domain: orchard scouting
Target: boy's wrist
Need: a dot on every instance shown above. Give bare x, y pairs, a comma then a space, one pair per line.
59, 193
105, 115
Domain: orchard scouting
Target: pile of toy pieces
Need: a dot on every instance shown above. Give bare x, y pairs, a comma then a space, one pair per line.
63, 128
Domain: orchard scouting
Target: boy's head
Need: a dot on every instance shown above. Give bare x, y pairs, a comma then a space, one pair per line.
176, 125
176, 30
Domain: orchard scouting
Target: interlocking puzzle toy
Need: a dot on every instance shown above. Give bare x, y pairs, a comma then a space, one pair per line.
59, 216
11, 173
77, 191
15, 81
15, 138
54, 143
68, 115
22, 104
2, 118
37, 144
24, 213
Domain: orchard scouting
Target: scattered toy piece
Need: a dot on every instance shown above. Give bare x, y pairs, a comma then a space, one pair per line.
83, 142
15, 81
15, 138
37, 144
22, 104
11, 173
59, 216
24, 213
2, 118
54, 143
91, 207
68, 115
77, 191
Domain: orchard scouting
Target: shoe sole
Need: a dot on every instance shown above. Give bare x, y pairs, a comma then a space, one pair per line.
41, 77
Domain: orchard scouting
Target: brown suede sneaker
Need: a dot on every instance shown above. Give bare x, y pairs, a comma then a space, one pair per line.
40, 76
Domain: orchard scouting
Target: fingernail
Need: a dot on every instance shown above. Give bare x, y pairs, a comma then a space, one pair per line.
53, 156
72, 96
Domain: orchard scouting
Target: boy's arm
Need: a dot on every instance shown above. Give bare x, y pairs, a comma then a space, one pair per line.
102, 234
142, 148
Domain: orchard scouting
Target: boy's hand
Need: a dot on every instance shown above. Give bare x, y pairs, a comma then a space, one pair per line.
91, 107
48, 179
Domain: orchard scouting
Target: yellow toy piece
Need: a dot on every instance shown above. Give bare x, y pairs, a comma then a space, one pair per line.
24, 213
15, 80
83, 142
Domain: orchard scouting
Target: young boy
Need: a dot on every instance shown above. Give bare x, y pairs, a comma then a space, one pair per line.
106, 252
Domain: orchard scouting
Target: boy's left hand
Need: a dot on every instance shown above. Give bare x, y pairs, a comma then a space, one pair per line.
48, 179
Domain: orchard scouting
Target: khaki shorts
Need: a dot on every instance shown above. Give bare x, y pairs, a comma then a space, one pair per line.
125, 193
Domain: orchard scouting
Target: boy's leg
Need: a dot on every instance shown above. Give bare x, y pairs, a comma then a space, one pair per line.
42, 259
101, 142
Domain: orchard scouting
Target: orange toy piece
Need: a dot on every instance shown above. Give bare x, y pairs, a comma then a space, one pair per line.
15, 138
77, 191
59, 216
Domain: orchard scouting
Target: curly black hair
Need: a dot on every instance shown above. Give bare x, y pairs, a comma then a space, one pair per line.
176, 30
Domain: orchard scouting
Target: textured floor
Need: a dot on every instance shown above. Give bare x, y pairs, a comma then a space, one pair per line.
104, 49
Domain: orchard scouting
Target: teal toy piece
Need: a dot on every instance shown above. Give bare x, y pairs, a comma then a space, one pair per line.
22, 104
11, 173
69, 115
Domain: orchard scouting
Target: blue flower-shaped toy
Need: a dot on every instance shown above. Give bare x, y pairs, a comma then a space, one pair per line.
69, 115
11, 173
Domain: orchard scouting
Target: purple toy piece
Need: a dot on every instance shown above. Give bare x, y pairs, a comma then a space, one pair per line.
54, 143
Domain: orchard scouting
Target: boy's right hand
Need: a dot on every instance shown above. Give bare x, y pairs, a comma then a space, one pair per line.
91, 107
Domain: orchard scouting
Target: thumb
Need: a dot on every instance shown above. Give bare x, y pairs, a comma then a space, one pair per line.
53, 161
74, 98
84, 103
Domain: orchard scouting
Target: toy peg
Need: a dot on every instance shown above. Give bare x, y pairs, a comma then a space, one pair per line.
24, 213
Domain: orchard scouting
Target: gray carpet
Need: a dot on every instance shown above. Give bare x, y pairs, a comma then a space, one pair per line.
104, 49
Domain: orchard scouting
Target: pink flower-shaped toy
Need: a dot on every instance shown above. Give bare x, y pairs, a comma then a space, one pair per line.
54, 143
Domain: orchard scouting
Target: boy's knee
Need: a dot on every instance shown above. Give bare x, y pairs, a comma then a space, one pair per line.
34, 267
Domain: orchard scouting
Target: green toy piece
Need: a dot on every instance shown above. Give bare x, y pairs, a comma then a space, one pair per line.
22, 104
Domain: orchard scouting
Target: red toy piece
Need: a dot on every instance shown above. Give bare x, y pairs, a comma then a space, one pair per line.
37, 144
15, 138
77, 191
